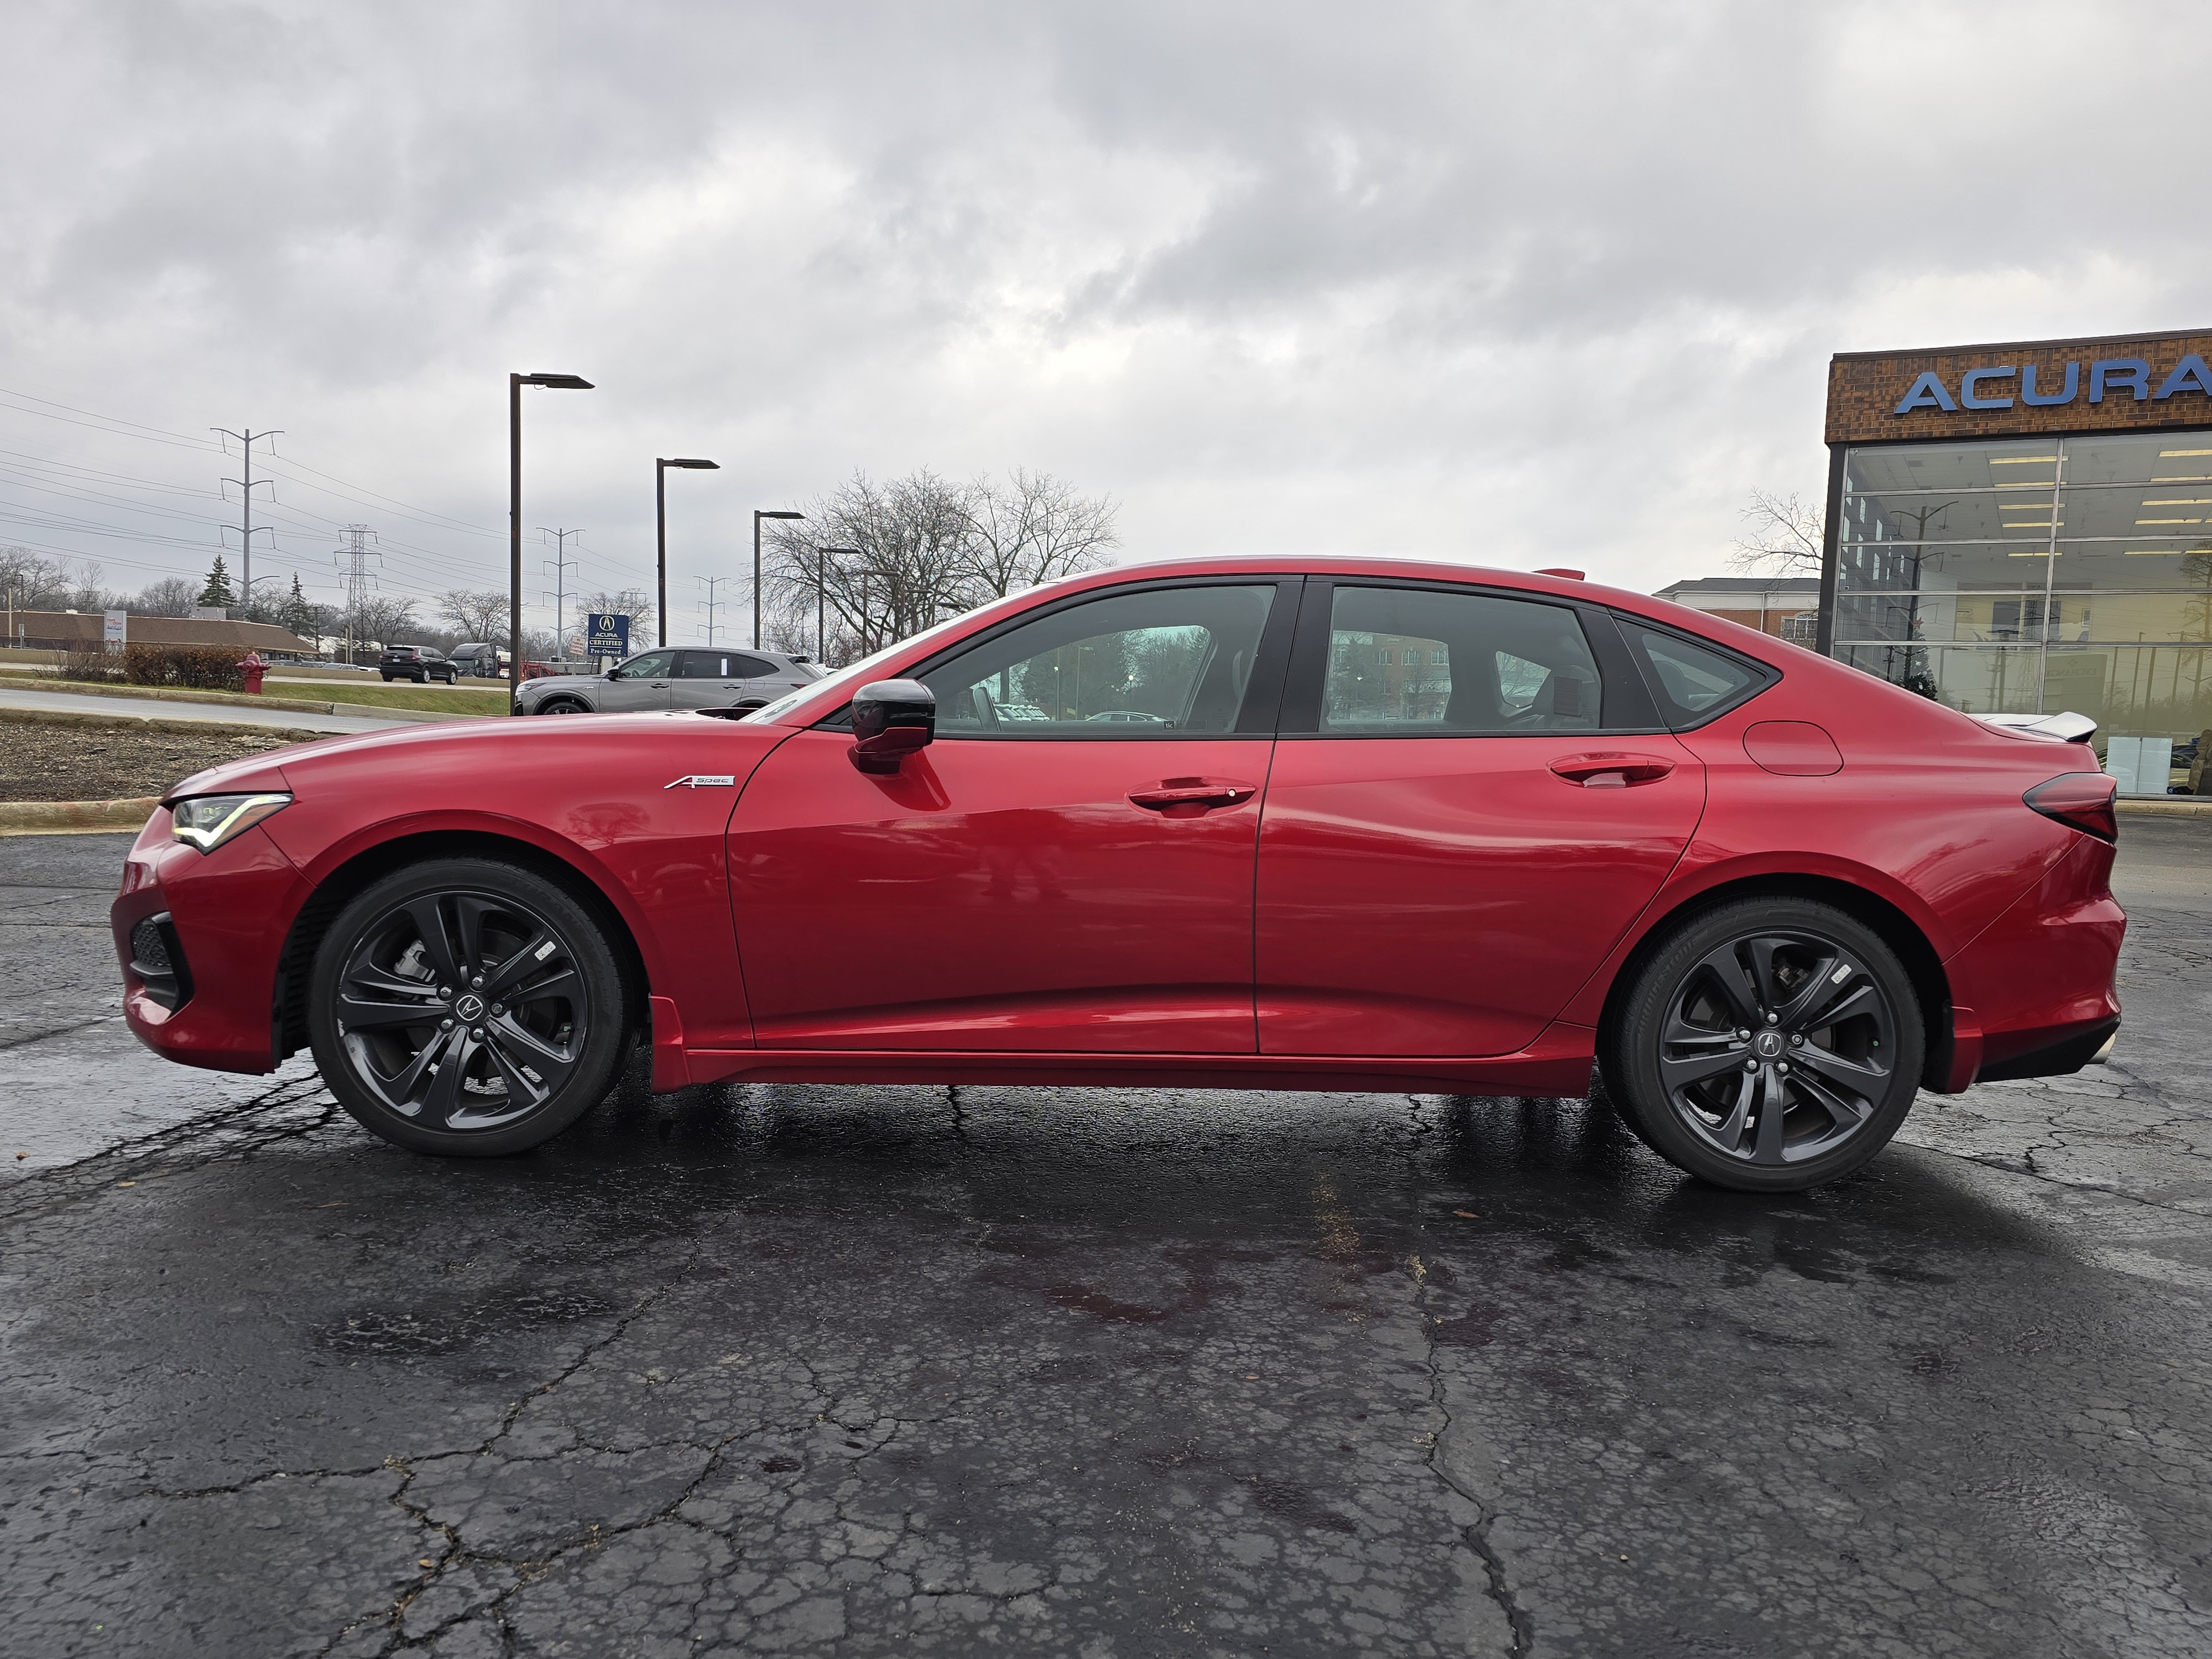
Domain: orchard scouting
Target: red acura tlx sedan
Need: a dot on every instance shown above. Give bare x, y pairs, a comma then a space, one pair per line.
1325, 823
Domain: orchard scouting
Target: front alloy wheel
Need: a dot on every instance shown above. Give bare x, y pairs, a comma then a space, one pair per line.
1770, 1045
467, 1006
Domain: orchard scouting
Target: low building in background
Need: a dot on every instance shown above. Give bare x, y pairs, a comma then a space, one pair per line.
1788, 607
79, 630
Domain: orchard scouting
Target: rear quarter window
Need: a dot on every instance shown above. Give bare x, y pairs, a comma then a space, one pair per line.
1692, 682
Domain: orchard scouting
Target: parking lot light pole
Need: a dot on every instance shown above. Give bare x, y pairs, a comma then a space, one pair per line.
514, 384
660, 522
758, 514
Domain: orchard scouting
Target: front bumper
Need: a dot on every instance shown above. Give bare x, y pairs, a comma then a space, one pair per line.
226, 915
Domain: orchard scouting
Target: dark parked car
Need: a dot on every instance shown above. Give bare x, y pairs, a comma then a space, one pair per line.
687, 678
418, 663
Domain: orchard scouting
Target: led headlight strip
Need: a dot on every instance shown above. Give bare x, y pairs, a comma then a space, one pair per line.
208, 821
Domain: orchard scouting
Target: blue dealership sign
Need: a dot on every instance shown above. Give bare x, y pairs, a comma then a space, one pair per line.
606, 634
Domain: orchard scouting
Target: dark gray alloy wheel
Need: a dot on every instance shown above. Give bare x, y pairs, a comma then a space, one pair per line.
1769, 1045
563, 706
464, 1006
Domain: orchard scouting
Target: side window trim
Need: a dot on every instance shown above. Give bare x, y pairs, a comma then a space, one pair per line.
1262, 688
1628, 709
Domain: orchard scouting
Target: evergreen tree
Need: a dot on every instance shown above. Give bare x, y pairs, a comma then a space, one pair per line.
217, 591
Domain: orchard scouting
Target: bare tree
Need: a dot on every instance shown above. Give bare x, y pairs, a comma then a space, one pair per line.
1783, 536
903, 564
381, 618
480, 614
172, 596
1031, 529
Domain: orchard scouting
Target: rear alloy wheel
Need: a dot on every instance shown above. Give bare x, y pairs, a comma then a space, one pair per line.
467, 1006
1770, 1045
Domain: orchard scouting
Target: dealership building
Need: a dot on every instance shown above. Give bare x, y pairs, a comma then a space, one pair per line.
2028, 528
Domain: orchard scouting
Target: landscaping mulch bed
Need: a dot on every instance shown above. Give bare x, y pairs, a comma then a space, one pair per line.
72, 763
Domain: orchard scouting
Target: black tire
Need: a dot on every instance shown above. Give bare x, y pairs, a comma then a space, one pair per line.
563, 706
1777, 1002
387, 678
477, 930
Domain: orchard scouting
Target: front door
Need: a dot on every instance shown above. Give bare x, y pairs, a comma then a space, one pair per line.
639, 684
1038, 879
1464, 815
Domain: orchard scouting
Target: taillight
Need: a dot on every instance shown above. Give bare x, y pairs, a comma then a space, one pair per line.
2081, 800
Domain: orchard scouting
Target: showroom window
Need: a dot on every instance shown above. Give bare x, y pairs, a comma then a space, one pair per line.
2036, 574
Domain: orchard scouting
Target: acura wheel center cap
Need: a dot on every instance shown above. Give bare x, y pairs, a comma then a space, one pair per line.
1768, 1043
469, 1007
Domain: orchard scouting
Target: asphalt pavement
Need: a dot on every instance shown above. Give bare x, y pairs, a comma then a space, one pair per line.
160, 709
1044, 1371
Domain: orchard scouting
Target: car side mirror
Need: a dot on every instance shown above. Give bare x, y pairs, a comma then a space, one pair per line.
614, 673
891, 719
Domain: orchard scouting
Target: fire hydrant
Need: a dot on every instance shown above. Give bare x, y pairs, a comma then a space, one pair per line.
255, 668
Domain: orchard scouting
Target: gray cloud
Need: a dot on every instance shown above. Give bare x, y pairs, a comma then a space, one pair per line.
1525, 284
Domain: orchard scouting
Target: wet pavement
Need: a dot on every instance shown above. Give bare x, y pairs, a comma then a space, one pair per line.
1064, 1371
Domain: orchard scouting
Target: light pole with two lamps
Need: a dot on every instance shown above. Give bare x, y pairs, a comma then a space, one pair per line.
514, 384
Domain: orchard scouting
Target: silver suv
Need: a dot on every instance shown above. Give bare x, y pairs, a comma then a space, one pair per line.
686, 677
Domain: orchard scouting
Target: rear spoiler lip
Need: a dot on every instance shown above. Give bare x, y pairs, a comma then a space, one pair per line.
2067, 727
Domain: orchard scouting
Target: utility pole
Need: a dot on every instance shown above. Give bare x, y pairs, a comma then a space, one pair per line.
711, 583
245, 442
560, 587
356, 553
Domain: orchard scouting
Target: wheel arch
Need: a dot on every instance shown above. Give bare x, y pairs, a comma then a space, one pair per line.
1930, 983
338, 887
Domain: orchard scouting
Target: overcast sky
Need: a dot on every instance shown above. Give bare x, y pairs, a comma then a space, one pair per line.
1517, 285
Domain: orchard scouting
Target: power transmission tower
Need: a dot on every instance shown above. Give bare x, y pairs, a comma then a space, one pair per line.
247, 441
356, 555
561, 567
711, 583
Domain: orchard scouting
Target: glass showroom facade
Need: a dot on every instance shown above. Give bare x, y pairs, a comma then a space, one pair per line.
2038, 571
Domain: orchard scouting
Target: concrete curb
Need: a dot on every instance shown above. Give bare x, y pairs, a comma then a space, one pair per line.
72, 817
103, 722
227, 700
2174, 807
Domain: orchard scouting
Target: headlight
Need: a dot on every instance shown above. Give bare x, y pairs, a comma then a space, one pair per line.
208, 821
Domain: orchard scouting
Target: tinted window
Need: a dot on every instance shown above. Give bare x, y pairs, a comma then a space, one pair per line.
1129, 665
1408, 660
701, 665
748, 668
1693, 681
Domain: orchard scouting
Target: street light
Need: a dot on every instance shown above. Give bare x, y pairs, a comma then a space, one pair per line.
514, 384
660, 519
821, 567
758, 514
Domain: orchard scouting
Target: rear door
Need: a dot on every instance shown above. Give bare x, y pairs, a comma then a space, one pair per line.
1471, 798
1044, 884
707, 679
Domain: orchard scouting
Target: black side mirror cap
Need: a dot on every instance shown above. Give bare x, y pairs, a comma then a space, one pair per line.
891, 719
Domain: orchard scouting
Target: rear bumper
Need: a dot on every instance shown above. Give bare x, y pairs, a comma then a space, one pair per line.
2033, 995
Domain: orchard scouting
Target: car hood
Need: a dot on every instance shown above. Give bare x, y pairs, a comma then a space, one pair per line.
563, 682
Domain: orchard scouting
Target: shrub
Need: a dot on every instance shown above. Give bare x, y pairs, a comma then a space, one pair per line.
203, 668
89, 662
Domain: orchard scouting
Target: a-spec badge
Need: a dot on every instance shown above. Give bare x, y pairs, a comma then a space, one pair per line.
700, 781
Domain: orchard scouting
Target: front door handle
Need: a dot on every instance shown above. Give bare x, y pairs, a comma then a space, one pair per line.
1185, 798
1612, 769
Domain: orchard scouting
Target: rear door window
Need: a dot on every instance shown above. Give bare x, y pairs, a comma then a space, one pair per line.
1410, 661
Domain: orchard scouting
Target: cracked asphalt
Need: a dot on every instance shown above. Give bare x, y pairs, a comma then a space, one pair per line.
855, 1371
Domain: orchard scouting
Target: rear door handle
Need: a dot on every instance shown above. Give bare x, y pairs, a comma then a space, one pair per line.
1185, 798
1610, 770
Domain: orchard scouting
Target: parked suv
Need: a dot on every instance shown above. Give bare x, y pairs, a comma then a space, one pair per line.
418, 663
484, 661
671, 677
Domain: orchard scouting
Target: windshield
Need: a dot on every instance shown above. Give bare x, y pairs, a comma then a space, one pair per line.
827, 693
